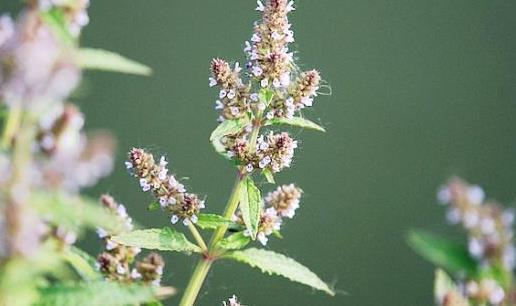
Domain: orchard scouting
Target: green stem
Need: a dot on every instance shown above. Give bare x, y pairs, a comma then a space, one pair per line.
198, 237
11, 126
195, 283
203, 266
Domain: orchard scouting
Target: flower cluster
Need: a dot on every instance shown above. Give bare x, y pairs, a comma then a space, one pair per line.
115, 263
171, 194
72, 160
37, 69
270, 61
232, 301
278, 204
489, 228
233, 102
272, 151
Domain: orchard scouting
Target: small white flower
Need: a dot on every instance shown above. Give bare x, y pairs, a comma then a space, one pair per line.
234, 110
201, 206
101, 233
121, 211
290, 6
269, 115
444, 195
471, 219
237, 68
135, 274
254, 96
145, 186
222, 93
488, 226
156, 282
257, 71
260, 6
262, 238
285, 79
475, 195
186, 221
231, 94
264, 83
307, 101
218, 105
453, 216
163, 202
289, 102
230, 154
476, 248
212, 82
174, 219
253, 56
261, 106
159, 270
128, 165
194, 219
249, 168
120, 269
256, 38
110, 245
276, 83
247, 47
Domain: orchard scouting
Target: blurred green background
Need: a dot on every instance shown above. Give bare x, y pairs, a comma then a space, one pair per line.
421, 90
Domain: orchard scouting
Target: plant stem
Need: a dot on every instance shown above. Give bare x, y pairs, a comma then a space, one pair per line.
11, 126
203, 266
198, 237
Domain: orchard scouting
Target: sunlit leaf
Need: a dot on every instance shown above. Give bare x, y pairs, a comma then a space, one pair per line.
82, 263
250, 205
296, 122
98, 293
97, 59
273, 263
211, 221
165, 239
235, 241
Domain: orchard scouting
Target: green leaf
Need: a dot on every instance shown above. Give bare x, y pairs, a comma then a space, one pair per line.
99, 293
273, 263
265, 95
297, 122
153, 206
165, 239
82, 263
444, 287
268, 176
235, 241
97, 59
229, 127
446, 254
211, 221
250, 205
72, 212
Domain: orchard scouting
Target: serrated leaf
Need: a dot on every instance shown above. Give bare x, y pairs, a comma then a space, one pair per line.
297, 122
445, 288
250, 205
153, 206
165, 239
71, 212
211, 221
446, 254
98, 59
229, 127
82, 263
273, 263
267, 173
234, 242
99, 293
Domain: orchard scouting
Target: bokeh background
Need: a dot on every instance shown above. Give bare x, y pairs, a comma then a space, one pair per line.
421, 90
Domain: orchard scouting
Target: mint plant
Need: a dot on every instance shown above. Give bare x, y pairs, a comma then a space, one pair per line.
47, 160
481, 272
253, 102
